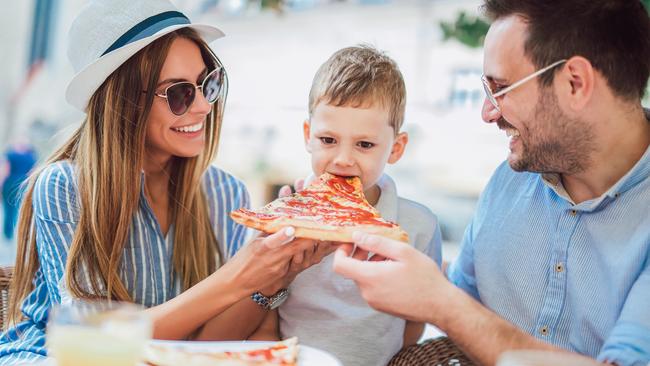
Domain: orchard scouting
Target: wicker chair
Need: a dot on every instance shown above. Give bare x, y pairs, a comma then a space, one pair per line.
6, 273
432, 352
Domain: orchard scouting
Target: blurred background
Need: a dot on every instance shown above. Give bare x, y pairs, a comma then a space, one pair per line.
271, 52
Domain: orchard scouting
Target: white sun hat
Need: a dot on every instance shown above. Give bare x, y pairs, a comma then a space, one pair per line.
106, 33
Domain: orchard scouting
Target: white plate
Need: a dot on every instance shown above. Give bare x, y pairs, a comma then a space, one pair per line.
307, 356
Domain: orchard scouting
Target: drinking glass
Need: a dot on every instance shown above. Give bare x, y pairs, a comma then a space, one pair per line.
99, 333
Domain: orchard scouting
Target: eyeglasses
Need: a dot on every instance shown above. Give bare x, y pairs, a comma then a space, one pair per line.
489, 87
180, 96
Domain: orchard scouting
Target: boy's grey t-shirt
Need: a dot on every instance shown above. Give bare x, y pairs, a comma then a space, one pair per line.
326, 311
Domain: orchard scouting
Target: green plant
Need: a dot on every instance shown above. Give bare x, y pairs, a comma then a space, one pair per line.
468, 30
277, 5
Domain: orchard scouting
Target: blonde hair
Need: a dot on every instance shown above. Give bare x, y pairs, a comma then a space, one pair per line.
108, 151
360, 76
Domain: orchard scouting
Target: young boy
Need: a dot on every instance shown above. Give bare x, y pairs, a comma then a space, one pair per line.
356, 110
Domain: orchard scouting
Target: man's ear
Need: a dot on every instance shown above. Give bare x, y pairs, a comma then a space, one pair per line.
399, 145
578, 83
306, 128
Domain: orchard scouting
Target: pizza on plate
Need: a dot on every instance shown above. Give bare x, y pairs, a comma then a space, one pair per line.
330, 208
283, 353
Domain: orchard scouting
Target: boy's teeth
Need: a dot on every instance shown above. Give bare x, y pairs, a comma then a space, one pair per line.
192, 128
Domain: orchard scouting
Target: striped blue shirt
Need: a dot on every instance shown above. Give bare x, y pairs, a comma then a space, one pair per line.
574, 275
147, 269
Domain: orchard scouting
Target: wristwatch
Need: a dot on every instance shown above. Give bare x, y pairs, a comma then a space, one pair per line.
272, 302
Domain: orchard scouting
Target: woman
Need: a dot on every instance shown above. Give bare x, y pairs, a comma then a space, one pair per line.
130, 208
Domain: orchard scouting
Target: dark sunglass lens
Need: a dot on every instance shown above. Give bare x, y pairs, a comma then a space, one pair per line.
180, 97
212, 86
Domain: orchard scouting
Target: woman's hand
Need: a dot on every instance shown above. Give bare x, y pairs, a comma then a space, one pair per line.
264, 261
314, 254
301, 261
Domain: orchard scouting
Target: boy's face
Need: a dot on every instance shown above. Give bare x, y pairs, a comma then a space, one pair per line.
352, 141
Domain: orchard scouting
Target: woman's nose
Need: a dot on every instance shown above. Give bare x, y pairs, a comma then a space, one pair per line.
200, 104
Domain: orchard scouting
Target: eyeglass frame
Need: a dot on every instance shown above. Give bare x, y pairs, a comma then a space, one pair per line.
223, 92
492, 97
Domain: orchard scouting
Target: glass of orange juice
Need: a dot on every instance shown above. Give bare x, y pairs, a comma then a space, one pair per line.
97, 333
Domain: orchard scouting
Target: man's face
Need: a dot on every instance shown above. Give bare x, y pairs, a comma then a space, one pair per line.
542, 137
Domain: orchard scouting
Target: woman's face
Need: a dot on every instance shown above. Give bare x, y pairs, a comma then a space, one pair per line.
168, 134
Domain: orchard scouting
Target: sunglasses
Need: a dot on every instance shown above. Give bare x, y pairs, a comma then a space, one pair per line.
492, 95
180, 96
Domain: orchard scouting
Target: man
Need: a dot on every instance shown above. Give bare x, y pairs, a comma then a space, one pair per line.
557, 256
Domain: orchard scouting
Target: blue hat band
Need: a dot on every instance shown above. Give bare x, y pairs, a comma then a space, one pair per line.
149, 27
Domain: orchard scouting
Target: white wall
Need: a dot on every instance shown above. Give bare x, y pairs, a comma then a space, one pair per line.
15, 28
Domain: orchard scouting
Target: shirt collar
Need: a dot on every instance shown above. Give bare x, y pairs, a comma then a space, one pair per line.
553, 181
388, 200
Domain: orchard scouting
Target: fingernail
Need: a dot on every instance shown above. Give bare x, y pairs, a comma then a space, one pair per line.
357, 236
290, 232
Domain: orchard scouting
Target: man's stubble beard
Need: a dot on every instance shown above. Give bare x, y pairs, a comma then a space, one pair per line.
554, 143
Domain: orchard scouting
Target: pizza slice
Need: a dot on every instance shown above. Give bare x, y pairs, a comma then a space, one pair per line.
283, 353
330, 208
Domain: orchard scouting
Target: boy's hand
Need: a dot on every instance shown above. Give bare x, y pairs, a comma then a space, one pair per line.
360, 253
301, 261
308, 258
298, 185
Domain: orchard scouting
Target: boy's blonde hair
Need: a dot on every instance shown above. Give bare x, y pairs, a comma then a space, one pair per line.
360, 76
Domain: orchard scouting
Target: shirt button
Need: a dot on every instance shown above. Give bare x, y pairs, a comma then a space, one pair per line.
559, 267
573, 212
544, 330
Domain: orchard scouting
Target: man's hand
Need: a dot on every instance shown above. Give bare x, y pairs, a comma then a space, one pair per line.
410, 285
407, 284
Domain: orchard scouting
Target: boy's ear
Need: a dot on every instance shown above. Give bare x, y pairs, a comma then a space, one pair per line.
399, 145
306, 128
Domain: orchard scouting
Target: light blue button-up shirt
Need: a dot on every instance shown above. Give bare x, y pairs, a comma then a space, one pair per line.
576, 276
147, 269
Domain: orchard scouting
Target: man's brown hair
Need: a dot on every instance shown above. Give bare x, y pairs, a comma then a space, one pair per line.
614, 35
360, 76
